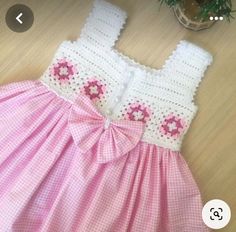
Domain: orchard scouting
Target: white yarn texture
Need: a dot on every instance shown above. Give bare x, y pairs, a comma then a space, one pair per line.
122, 88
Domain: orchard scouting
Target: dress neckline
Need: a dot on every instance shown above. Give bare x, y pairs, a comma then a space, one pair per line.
135, 65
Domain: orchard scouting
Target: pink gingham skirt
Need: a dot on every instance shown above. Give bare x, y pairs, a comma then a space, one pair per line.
47, 184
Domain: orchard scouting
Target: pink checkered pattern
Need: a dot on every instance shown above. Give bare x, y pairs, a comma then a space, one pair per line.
47, 184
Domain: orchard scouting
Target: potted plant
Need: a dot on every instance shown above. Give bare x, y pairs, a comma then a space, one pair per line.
200, 14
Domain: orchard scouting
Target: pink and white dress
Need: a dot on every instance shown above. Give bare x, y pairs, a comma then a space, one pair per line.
93, 145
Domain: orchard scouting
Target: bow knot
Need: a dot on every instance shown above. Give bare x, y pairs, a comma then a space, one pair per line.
111, 138
107, 123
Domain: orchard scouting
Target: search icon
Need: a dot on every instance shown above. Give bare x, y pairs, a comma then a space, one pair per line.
216, 213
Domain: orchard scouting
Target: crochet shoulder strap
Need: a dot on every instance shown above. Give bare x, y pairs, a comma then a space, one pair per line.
186, 67
103, 24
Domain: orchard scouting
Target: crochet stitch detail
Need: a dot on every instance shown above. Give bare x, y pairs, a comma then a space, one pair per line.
123, 88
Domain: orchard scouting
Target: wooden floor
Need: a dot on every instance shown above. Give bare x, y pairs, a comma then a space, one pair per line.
150, 35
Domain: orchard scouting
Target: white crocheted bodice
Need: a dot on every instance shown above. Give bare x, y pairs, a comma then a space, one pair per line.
124, 89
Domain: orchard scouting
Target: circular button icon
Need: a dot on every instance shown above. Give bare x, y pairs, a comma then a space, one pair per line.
216, 214
19, 18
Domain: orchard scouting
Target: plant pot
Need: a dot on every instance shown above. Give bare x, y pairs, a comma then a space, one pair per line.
187, 12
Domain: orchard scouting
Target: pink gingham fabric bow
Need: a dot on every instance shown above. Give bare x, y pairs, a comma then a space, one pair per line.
111, 138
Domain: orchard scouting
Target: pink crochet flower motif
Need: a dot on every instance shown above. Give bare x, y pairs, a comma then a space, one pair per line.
138, 112
94, 89
172, 126
63, 70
